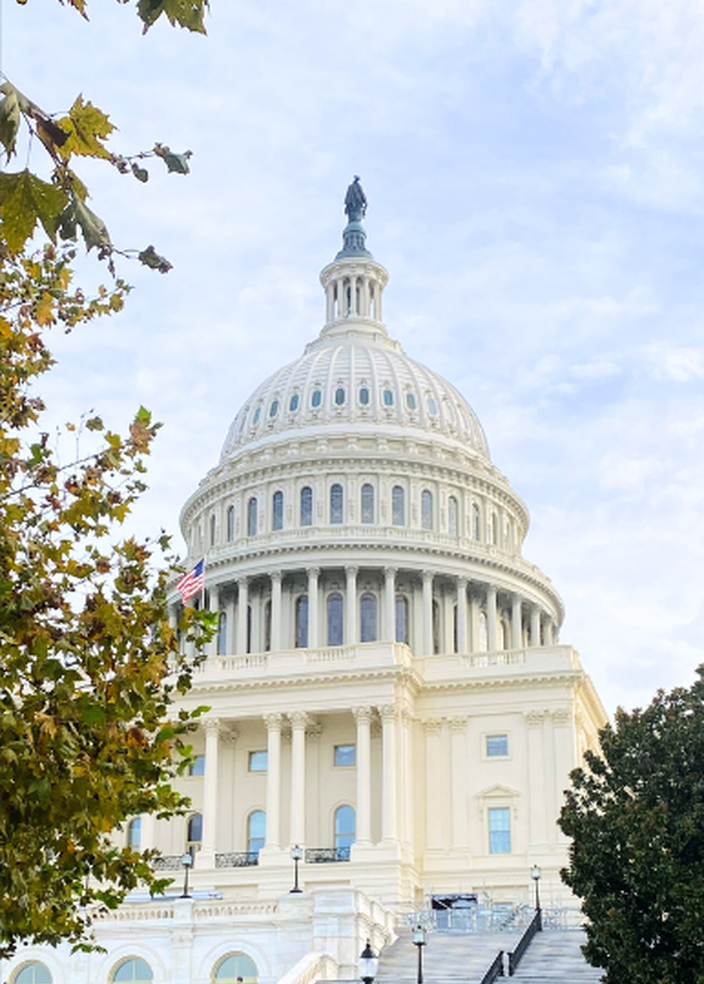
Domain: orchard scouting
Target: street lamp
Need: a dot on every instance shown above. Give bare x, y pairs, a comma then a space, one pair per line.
297, 855
535, 874
419, 941
368, 964
187, 862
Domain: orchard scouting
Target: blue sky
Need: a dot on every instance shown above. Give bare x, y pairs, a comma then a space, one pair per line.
534, 172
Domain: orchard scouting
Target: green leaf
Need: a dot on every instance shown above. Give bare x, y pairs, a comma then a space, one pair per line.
92, 226
9, 119
149, 257
185, 13
86, 126
140, 173
25, 200
178, 163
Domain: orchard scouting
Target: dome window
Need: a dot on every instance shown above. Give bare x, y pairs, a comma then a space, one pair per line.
317, 398
411, 401
293, 403
306, 506
364, 396
257, 415
274, 408
339, 396
432, 407
388, 397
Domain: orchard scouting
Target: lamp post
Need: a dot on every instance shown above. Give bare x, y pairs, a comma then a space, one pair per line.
419, 941
368, 964
187, 862
535, 874
296, 854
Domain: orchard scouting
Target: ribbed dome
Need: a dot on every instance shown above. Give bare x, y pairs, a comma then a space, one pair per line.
363, 380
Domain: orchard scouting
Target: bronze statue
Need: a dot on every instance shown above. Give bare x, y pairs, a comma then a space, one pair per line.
355, 201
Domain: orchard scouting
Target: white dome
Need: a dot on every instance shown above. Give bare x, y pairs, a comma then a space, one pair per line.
363, 380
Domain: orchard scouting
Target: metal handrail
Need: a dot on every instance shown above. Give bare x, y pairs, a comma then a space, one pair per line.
496, 969
515, 956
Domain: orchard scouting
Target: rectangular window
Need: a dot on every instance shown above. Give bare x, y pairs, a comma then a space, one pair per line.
345, 755
258, 761
197, 768
500, 830
496, 746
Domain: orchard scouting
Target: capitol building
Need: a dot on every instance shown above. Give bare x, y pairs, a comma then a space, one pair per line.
387, 690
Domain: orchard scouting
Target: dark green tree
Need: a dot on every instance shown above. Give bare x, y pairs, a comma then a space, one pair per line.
635, 814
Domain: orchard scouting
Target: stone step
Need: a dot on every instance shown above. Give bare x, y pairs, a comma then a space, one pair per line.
555, 955
447, 958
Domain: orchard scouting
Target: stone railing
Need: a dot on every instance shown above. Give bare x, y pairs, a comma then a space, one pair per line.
315, 966
237, 859
326, 855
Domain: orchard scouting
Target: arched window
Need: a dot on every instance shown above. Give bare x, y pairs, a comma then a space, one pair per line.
483, 633
335, 622
302, 622
452, 515
411, 401
388, 397
339, 396
256, 831
194, 832
306, 506
293, 403
344, 829
367, 618
277, 511
235, 967
133, 970
336, 504
252, 517
33, 973
230, 523
476, 527
274, 408
364, 396
134, 833
426, 510
367, 503
222, 634
401, 619
257, 415
436, 627
267, 627
212, 531
398, 506
317, 398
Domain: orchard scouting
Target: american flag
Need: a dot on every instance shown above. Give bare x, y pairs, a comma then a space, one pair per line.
192, 582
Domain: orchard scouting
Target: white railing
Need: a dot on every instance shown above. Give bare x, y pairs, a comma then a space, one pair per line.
314, 966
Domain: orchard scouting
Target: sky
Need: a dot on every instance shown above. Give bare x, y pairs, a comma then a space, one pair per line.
536, 191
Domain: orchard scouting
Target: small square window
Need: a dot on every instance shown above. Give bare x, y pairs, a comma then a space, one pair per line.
258, 761
197, 767
345, 755
496, 746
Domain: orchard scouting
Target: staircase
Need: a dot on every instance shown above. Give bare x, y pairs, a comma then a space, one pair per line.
555, 956
447, 958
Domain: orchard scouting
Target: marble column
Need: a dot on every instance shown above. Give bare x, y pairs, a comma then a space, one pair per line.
389, 628
351, 606
475, 613
389, 717
273, 779
427, 613
491, 619
313, 620
276, 611
459, 787
535, 626
516, 623
211, 727
214, 606
242, 604
298, 721
363, 717
461, 615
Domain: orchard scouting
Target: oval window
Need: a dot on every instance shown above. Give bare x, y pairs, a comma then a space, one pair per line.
410, 401
339, 396
274, 408
432, 407
293, 403
364, 396
257, 415
388, 398
317, 398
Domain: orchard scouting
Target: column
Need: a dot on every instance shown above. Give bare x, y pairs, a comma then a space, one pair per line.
214, 606
298, 721
459, 791
211, 727
437, 786
461, 614
491, 617
535, 625
231, 610
242, 603
389, 776
351, 606
276, 611
536, 779
549, 626
516, 623
363, 717
475, 612
273, 779
147, 831
313, 573
389, 605
427, 613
